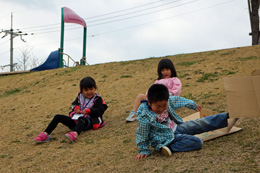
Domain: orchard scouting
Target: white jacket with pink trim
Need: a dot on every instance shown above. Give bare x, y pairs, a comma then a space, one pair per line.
173, 84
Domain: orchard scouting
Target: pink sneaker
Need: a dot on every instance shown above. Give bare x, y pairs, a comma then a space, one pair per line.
72, 136
42, 137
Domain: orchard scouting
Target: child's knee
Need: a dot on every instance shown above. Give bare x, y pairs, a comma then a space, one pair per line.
58, 116
141, 97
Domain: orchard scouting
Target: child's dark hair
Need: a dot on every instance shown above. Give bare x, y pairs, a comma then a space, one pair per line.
166, 63
87, 82
157, 92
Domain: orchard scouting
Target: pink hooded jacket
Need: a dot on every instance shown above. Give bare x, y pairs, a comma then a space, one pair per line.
173, 84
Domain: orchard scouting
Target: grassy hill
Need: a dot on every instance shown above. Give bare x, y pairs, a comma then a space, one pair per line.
29, 102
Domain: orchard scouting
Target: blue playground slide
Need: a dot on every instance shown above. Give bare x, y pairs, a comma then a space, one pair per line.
51, 62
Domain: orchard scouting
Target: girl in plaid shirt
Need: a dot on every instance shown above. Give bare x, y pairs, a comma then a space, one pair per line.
161, 128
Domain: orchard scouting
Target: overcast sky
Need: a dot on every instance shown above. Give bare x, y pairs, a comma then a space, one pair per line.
120, 30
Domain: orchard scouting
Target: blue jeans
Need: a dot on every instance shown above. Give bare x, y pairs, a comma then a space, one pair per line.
183, 136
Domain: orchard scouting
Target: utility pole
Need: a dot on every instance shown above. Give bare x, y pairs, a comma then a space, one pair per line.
253, 7
12, 36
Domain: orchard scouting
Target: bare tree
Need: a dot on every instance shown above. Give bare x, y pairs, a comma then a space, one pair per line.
27, 60
253, 6
35, 61
24, 62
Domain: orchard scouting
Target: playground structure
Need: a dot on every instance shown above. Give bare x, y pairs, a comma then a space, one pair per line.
51, 62
55, 59
69, 16
75, 63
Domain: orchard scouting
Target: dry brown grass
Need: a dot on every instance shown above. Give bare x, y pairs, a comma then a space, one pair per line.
29, 101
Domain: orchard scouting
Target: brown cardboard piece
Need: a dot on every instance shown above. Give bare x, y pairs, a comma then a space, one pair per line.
216, 133
243, 95
243, 100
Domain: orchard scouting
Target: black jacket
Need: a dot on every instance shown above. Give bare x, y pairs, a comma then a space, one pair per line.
97, 110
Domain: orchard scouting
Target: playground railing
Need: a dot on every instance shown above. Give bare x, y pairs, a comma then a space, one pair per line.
76, 63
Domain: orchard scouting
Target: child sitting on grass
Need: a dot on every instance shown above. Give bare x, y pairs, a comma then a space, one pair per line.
167, 75
160, 127
88, 104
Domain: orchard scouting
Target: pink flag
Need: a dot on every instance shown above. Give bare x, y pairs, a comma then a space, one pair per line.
70, 16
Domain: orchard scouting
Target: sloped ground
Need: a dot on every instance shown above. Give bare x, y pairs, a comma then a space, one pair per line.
29, 102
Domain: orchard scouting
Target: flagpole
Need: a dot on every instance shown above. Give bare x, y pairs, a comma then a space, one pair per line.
61, 40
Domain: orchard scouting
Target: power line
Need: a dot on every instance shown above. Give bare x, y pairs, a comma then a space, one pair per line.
124, 10
137, 11
72, 28
41, 27
101, 14
143, 14
93, 35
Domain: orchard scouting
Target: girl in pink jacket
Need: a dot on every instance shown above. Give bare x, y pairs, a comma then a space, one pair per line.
166, 75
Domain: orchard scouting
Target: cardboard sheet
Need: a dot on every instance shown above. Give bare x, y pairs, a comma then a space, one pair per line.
243, 95
216, 133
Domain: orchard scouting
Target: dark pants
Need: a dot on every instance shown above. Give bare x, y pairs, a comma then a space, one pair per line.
83, 123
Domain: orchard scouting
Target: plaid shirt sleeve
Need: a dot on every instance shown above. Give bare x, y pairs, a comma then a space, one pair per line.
142, 136
177, 102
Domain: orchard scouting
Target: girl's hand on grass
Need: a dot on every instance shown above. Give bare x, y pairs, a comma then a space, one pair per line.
140, 156
198, 108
